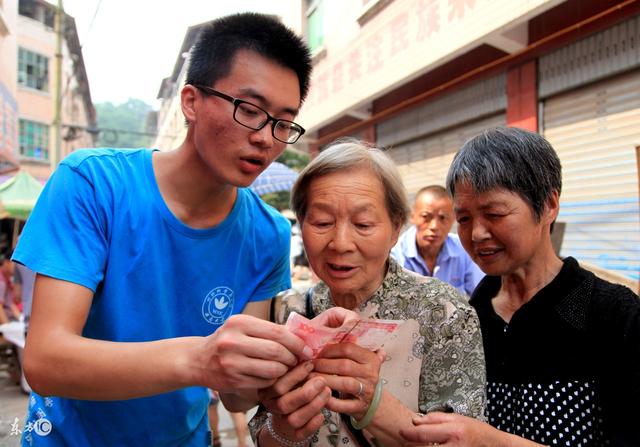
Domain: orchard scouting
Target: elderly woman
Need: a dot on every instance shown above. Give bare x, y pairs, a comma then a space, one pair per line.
562, 346
351, 205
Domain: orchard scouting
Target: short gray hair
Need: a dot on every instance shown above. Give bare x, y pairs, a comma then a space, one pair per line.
349, 153
514, 159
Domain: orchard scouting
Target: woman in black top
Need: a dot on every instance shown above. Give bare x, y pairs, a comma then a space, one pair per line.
562, 346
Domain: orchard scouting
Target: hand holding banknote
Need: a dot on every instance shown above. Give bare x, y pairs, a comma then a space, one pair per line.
296, 399
347, 357
367, 333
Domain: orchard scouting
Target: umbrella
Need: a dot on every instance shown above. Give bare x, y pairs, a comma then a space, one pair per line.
18, 195
277, 177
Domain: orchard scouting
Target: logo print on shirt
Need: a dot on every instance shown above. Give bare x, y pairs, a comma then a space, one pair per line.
218, 305
42, 427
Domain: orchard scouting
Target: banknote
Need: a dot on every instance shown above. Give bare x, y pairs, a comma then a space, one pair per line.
368, 333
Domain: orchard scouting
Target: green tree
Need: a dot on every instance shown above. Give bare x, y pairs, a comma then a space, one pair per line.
123, 125
295, 160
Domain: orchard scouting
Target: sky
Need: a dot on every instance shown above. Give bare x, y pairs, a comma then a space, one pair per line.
131, 45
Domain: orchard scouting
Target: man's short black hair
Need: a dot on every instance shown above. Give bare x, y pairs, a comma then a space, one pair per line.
212, 55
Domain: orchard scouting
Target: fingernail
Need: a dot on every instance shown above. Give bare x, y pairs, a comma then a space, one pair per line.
308, 366
318, 385
307, 352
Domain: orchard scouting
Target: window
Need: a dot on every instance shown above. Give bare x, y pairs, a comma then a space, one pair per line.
34, 140
33, 70
315, 32
38, 10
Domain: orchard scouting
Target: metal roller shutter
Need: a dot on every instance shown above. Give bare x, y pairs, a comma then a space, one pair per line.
426, 161
481, 99
596, 132
599, 56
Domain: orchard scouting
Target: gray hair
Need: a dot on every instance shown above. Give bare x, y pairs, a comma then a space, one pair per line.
344, 154
514, 159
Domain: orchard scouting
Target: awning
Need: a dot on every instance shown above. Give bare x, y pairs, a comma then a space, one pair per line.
18, 195
277, 177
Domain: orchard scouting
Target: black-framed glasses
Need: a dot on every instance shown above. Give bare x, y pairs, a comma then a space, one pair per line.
255, 118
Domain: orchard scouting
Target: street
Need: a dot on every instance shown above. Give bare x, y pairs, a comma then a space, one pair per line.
13, 404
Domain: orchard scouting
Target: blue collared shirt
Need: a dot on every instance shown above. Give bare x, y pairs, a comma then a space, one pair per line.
453, 264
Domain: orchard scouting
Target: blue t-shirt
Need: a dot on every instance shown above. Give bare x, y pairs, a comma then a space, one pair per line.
453, 264
101, 222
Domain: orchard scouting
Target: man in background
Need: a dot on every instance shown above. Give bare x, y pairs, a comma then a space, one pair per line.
429, 249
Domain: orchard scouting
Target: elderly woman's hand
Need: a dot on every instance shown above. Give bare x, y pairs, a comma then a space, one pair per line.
295, 402
457, 430
353, 372
335, 317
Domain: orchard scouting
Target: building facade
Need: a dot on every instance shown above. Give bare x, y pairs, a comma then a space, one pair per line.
420, 77
8, 86
36, 89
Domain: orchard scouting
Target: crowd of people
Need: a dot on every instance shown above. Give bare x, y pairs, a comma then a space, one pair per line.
156, 288
16, 292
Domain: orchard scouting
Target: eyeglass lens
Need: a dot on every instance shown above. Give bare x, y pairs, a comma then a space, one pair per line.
255, 118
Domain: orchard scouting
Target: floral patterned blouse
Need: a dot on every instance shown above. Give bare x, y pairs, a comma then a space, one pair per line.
435, 361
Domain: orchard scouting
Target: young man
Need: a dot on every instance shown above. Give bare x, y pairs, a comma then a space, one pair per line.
143, 258
427, 247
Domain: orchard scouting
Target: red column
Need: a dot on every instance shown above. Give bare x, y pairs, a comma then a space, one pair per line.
522, 96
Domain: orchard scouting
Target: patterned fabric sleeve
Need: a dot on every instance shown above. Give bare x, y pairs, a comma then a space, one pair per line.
453, 368
257, 422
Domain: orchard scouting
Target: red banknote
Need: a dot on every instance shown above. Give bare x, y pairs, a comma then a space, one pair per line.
369, 334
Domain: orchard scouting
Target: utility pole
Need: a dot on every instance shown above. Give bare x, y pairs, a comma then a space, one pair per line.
57, 119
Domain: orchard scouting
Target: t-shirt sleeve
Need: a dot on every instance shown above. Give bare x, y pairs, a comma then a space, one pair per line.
65, 236
279, 278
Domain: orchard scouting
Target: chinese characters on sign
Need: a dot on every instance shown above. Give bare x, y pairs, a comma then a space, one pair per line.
406, 29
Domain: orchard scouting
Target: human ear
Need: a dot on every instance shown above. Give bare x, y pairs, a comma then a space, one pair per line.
414, 218
188, 99
552, 207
